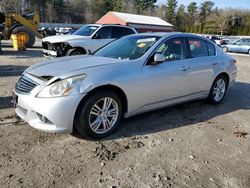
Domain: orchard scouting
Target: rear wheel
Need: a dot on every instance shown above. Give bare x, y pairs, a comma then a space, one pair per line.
218, 90
99, 116
30, 37
75, 51
249, 51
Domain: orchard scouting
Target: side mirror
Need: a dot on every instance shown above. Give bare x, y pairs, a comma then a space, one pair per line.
159, 58
96, 36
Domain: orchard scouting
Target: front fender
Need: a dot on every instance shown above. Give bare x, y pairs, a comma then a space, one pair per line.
84, 45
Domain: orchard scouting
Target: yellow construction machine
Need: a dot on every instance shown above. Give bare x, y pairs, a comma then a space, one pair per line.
13, 23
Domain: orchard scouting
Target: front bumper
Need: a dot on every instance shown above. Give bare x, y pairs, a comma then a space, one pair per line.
59, 112
49, 53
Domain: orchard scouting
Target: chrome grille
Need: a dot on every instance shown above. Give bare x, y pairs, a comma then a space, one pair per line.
48, 46
25, 84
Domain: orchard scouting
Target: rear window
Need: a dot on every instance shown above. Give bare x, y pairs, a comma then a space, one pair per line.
211, 49
118, 32
198, 47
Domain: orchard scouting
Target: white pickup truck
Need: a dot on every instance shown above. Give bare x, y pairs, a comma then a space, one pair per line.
87, 39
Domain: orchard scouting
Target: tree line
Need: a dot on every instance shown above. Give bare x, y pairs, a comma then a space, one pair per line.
204, 18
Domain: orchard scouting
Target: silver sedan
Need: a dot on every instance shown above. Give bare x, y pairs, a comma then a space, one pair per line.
242, 45
137, 73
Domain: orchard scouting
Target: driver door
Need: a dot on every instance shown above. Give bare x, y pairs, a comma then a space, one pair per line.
165, 83
236, 46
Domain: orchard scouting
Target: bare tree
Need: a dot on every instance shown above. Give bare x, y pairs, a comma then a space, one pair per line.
220, 19
50, 14
12, 5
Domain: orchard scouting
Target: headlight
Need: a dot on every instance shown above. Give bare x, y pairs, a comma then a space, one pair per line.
63, 87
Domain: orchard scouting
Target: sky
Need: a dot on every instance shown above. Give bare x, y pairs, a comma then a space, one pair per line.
245, 4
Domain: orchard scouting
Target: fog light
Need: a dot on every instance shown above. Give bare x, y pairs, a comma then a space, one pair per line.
43, 118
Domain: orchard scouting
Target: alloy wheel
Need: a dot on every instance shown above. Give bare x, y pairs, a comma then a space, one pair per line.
103, 115
219, 90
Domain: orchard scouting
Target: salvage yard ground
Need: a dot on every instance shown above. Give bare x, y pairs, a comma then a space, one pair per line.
189, 145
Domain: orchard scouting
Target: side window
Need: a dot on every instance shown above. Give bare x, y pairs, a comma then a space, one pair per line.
245, 42
198, 47
104, 33
173, 49
211, 49
119, 32
127, 31
239, 42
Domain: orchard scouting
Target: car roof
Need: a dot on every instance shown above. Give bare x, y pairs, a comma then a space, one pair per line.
113, 25
169, 34
117, 25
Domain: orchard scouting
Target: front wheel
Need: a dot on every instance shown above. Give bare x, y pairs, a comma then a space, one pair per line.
225, 49
99, 116
218, 90
75, 51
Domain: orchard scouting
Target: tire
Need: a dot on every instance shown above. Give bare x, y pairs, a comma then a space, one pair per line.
249, 51
225, 49
75, 51
221, 91
31, 38
92, 122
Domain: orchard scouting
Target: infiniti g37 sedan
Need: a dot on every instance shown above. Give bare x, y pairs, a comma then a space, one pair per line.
90, 94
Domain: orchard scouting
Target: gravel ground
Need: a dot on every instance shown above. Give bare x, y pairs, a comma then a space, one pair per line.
189, 145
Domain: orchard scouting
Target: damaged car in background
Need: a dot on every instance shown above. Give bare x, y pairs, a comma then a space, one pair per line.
86, 40
90, 94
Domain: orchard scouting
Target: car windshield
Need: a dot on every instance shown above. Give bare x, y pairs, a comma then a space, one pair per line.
86, 30
132, 47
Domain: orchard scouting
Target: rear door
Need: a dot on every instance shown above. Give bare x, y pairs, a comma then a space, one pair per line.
245, 46
202, 65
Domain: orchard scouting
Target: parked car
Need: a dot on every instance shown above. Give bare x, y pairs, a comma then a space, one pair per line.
87, 39
242, 45
137, 73
224, 41
215, 39
46, 32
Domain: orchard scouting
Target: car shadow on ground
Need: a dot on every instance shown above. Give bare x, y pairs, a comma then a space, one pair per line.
238, 98
187, 114
11, 70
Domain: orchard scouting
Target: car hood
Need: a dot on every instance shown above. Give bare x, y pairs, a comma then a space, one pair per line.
63, 38
61, 66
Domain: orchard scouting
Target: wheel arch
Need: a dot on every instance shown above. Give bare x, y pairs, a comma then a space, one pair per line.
12, 28
226, 75
69, 47
120, 93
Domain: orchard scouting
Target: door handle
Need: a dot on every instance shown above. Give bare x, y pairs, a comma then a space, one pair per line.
185, 68
215, 63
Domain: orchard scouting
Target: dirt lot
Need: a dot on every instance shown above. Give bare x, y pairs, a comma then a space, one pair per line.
190, 145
